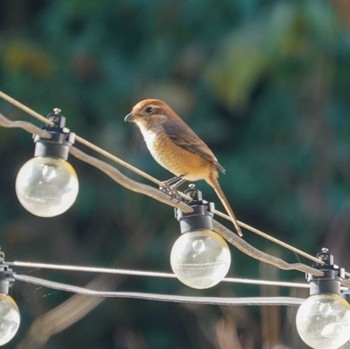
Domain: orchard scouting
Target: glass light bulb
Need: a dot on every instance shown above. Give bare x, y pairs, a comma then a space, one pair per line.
200, 259
47, 187
9, 318
346, 345
323, 321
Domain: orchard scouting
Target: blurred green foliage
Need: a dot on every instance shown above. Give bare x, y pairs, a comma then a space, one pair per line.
263, 82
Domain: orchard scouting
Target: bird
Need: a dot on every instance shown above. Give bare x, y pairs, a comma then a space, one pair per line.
177, 148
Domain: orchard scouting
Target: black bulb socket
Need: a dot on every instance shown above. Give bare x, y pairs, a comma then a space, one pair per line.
330, 281
60, 140
6, 279
57, 146
200, 219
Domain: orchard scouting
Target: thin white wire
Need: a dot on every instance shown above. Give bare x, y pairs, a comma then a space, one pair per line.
147, 273
267, 282
257, 301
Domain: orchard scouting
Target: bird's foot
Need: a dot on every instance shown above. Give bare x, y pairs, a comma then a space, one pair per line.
173, 182
170, 187
170, 190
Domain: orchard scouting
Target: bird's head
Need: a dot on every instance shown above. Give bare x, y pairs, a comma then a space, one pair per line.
149, 112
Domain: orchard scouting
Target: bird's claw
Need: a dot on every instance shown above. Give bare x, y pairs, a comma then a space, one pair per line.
169, 190
170, 187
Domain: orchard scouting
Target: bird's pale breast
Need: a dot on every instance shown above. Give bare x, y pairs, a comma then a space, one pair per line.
175, 159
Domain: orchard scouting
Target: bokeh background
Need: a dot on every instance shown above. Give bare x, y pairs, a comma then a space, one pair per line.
264, 83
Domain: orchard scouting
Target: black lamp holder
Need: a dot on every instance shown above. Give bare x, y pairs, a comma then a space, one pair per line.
332, 276
203, 212
61, 139
6, 276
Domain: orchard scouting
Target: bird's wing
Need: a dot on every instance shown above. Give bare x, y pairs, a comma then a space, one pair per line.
184, 137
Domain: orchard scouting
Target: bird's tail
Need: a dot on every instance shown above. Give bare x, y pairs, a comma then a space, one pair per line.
214, 183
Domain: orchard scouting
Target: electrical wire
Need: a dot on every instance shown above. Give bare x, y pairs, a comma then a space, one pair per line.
130, 184
271, 238
251, 251
145, 273
256, 301
141, 173
114, 158
92, 146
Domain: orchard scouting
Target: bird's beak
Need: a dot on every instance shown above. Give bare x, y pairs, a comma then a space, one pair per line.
129, 118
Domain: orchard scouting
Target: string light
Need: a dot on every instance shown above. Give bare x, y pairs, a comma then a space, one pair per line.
32, 129
148, 191
47, 185
325, 301
160, 196
323, 320
9, 312
200, 258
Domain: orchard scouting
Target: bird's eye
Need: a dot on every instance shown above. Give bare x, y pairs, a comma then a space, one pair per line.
149, 110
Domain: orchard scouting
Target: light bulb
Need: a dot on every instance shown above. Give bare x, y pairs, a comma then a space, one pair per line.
346, 345
47, 186
9, 318
323, 321
200, 259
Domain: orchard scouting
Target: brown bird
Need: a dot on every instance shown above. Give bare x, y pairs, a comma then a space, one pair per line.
176, 147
